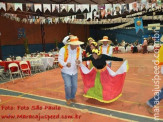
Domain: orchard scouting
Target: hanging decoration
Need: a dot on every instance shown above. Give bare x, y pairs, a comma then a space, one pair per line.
37, 7
29, 7
55, 7
18, 6
47, 7
10, 6
3, 6
91, 14
63, 7
138, 24
70, 7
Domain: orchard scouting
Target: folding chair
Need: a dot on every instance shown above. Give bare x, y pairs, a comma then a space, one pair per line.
1, 74
24, 67
33, 65
12, 67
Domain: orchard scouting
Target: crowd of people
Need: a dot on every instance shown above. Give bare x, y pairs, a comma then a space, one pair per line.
146, 42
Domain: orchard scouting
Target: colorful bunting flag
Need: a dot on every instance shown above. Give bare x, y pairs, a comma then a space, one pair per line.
18, 6
47, 7
37, 7
2, 6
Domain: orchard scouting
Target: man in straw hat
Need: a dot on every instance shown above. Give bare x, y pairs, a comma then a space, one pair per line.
69, 58
106, 48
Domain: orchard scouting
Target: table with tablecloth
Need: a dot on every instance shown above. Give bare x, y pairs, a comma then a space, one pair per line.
47, 61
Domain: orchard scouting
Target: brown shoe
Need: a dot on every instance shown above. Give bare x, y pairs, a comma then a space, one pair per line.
73, 100
68, 102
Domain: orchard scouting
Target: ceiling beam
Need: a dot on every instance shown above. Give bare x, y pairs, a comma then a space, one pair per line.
75, 1
123, 1
56, 2
30, 1
108, 1
93, 1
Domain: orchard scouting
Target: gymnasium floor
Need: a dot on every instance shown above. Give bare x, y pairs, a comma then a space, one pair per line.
41, 97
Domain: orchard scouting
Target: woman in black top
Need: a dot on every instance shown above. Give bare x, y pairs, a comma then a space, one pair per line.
101, 84
99, 60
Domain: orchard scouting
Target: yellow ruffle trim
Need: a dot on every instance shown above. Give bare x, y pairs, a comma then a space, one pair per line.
104, 101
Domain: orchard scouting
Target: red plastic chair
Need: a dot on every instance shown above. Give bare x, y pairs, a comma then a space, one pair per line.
25, 69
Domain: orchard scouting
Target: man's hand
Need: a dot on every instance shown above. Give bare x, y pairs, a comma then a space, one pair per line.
68, 65
77, 62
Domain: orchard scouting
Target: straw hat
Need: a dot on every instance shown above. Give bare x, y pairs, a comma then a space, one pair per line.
74, 41
90, 38
105, 38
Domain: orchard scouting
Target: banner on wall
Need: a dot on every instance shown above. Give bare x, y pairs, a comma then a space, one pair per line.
133, 7
102, 11
116, 9
47, 7
55, 7
21, 33
18, 6
2, 6
10, 6
94, 7
70, 7
37, 7
82, 7
63, 7
29, 7
138, 24
124, 8
108, 9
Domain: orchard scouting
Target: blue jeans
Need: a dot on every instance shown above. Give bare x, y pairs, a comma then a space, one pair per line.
70, 82
152, 102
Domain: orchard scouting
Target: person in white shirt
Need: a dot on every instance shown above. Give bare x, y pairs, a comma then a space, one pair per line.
70, 57
106, 48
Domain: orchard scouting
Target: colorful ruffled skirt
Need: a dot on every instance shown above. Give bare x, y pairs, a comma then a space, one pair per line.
103, 85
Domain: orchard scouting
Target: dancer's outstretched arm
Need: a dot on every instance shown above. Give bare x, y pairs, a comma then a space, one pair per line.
113, 58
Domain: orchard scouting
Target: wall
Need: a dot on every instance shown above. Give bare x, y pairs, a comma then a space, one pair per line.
11, 45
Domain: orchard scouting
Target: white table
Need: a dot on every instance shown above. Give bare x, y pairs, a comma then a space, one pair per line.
150, 48
122, 49
47, 61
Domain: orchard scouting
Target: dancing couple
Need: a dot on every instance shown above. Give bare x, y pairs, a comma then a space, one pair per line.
100, 82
